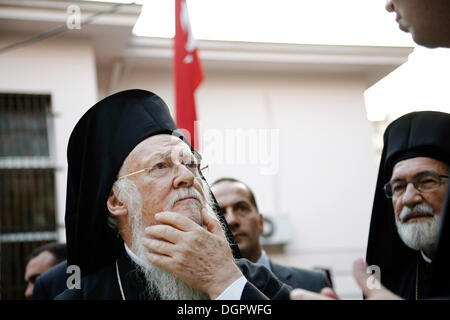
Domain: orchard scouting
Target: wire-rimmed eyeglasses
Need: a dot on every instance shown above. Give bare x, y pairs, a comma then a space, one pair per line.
423, 182
163, 168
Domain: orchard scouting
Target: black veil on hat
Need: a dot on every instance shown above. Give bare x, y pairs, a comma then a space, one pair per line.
417, 134
98, 145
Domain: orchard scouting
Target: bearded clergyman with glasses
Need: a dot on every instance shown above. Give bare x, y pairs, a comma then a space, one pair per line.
408, 210
141, 222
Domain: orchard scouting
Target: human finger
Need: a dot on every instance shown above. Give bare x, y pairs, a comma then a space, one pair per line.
158, 246
362, 278
163, 232
301, 294
212, 223
176, 220
328, 292
160, 260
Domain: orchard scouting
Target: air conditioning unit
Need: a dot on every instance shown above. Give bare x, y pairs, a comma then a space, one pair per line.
277, 230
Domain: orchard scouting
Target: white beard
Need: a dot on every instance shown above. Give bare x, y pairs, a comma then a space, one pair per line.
421, 235
159, 282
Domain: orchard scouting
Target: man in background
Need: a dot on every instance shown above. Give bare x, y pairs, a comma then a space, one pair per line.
238, 204
40, 260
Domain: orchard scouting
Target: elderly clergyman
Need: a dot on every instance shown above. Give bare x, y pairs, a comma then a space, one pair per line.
141, 222
408, 239
238, 204
409, 205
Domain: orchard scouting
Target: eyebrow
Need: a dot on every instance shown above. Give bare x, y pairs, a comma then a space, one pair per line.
161, 155
156, 156
167, 154
241, 202
420, 174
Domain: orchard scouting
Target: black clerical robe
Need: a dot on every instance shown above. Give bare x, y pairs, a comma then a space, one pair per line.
104, 284
414, 280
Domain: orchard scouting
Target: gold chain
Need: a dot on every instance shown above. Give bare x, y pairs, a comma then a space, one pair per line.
118, 279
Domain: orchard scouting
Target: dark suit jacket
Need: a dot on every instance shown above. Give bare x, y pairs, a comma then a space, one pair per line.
51, 283
103, 284
301, 278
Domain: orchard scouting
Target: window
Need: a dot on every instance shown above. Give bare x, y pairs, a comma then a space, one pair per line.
27, 185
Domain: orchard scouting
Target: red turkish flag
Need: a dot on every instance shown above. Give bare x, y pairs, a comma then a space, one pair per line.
188, 72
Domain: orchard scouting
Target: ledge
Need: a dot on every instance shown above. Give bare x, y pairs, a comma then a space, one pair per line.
370, 62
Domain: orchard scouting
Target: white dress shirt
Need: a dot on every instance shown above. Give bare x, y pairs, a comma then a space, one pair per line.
264, 260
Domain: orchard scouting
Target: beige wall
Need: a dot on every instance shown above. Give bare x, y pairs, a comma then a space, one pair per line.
66, 70
326, 160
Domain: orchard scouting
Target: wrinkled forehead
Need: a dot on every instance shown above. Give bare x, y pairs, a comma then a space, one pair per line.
159, 146
413, 166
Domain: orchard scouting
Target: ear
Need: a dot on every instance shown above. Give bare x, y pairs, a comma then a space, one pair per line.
114, 204
261, 223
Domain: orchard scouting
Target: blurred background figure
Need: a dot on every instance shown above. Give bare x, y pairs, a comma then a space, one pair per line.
238, 204
428, 22
40, 260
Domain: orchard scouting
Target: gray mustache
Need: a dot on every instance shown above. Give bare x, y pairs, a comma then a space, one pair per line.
184, 193
422, 209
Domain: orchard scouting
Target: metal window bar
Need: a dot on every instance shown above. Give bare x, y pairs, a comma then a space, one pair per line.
29, 236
